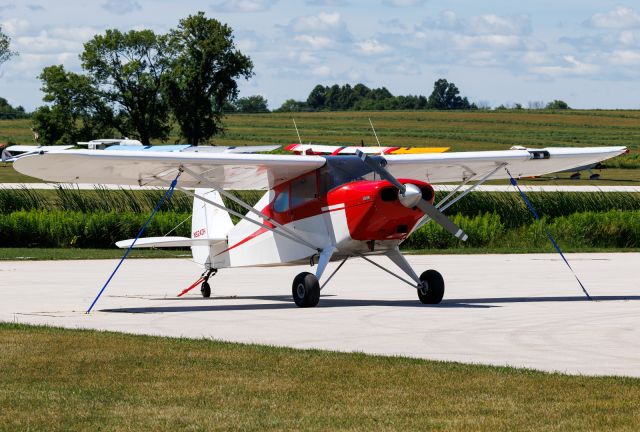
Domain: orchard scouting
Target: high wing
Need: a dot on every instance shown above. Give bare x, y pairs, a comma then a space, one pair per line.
259, 171
227, 170
455, 167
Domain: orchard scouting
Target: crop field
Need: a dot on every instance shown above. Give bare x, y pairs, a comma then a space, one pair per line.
55, 379
462, 131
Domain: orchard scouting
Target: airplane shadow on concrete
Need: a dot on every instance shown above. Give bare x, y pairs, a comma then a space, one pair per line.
278, 302
196, 304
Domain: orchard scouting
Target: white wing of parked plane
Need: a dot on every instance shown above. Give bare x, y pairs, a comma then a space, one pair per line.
459, 166
228, 170
14, 152
260, 171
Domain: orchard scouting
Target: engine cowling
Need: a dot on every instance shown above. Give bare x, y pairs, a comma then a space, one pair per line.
376, 211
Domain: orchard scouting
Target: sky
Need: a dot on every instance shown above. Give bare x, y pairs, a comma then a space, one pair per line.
584, 52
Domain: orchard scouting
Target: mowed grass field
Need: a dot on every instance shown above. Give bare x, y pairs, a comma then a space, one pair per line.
54, 379
461, 131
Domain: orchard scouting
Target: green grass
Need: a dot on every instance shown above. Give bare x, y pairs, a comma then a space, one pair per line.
39, 254
55, 379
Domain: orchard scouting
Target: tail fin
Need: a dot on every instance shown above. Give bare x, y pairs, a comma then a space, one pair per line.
208, 221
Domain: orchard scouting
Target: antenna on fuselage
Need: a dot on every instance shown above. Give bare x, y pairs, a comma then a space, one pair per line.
375, 134
296, 126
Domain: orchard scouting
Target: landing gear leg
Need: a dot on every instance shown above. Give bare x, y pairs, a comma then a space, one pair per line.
205, 288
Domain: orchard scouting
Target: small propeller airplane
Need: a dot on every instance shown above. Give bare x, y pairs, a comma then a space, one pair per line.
316, 209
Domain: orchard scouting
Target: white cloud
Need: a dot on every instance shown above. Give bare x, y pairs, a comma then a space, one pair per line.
80, 34
404, 3
315, 42
625, 58
45, 44
570, 67
321, 71
322, 22
31, 64
499, 25
15, 26
372, 47
243, 6
621, 17
121, 7
492, 42
327, 2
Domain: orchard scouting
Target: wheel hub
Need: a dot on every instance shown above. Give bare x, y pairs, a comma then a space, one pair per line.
424, 288
300, 290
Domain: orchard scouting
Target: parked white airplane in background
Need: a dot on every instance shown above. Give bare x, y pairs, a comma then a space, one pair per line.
11, 153
316, 209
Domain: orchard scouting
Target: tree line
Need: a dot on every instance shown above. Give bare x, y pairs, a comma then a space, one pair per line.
445, 96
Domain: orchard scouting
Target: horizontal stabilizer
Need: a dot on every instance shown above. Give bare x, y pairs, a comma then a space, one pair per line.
168, 242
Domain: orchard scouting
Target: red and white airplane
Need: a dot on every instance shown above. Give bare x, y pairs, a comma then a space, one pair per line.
316, 209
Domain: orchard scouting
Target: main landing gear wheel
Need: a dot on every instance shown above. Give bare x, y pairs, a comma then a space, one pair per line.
306, 290
432, 289
205, 289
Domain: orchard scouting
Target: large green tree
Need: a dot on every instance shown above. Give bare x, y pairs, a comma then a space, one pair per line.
204, 68
128, 70
446, 96
76, 111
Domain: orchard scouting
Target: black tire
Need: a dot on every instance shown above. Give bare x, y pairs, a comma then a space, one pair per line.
205, 289
305, 290
434, 287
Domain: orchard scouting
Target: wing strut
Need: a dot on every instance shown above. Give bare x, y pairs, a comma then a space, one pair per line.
252, 209
553, 242
167, 195
443, 204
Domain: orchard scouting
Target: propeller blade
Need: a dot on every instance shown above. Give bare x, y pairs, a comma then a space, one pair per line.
380, 170
423, 205
435, 214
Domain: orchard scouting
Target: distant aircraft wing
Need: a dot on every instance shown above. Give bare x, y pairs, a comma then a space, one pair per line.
15, 152
319, 149
228, 170
455, 167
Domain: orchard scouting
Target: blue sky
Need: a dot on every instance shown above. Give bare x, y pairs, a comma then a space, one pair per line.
497, 52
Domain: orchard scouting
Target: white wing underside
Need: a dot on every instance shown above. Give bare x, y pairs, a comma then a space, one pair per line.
258, 171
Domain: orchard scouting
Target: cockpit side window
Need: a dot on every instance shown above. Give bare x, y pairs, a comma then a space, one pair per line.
281, 203
303, 190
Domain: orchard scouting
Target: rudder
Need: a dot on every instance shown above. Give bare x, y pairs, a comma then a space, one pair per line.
210, 222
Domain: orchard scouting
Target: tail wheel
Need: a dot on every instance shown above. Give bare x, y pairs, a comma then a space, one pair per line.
306, 290
205, 289
432, 289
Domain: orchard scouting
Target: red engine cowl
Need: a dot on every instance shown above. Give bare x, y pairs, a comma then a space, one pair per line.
374, 211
